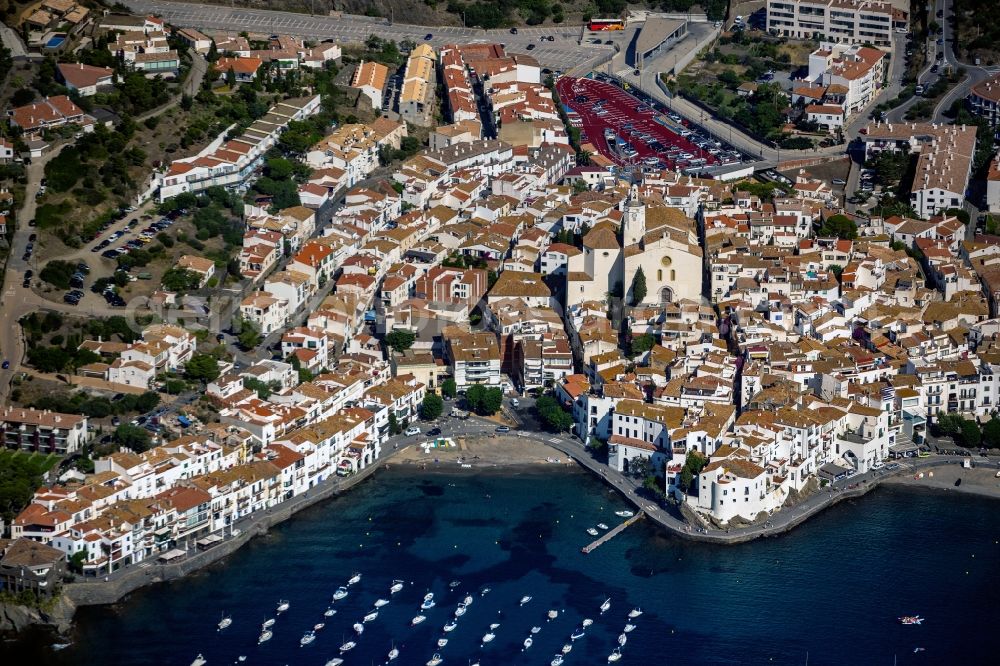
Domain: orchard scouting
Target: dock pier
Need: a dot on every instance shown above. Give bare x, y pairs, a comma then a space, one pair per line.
611, 534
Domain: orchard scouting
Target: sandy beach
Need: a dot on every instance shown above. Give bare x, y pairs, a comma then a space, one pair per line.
976, 481
484, 452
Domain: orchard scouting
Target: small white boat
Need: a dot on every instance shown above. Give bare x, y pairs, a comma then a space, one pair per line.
336, 661
567, 648
450, 626
435, 660
380, 602
602, 526
340, 593
308, 638
359, 628
557, 660
429, 596
318, 626
393, 654
397, 586
634, 613
489, 636
429, 604
283, 606
629, 628
577, 634
485, 591
624, 513
355, 579
60, 646
591, 531
460, 611
268, 623
552, 614
455, 583
241, 658
264, 637
199, 661
225, 622
587, 622
622, 638
468, 600
417, 620
371, 616
495, 625
329, 612
615, 656
442, 642
528, 643
605, 606
348, 646
535, 630
525, 599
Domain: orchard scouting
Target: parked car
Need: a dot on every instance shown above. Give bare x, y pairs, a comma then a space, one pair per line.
502, 428
412, 430
434, 432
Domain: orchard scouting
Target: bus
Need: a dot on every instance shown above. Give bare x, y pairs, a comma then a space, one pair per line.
606, 24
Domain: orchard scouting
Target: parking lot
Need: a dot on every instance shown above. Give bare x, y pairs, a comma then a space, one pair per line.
632, 132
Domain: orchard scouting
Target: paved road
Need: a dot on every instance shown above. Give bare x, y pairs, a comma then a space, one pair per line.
563, 53
12, 41
199, 66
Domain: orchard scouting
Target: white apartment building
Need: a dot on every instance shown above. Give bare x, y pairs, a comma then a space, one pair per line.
850, 21
855, 72
474, 359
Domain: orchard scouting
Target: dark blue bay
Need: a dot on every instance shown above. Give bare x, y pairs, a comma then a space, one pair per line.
832, 589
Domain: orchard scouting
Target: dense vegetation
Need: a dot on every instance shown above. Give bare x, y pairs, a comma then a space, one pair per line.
20, 475
97, 406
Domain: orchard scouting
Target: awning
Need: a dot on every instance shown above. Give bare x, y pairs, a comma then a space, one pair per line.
832, 472
171, 555
210, 540
903, 447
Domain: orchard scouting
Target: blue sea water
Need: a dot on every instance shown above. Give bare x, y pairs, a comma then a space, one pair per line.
831, 589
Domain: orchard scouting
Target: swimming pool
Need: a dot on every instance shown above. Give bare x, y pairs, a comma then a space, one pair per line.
55, 41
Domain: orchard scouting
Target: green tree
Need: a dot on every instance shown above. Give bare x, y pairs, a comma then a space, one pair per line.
642, 343
638, 287
449, 388
991, 434
400, 340
230, 78
133, 437
970, 435
552, 414
840, 226
202, 367
484, 400
693, 464
431, 407
249, 336
394, 428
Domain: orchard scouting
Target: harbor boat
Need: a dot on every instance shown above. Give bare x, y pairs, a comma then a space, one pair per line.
241, 658
605, 606
442, 642
307, 638
535, 630
283, 606
576, 635
397, 586
587, 622
460, 611
199, 661
634, 613
567, 648
468, 600
451, 625
348, 646
336, 661
393, 654
602, 526
527, 643
525, 599
264, 637
455, 583
625, 513
495, 625
371, 616
428, 596
60, 646
591, 531
355, 579
359, 628
428, 604
615, 656
629, 628
552, 614
435, 660
911, 619
329, 612
489, 636
417, 620
380, 602
556, 661
622, 638
318, 626
483, 592
225, 622
340, 593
